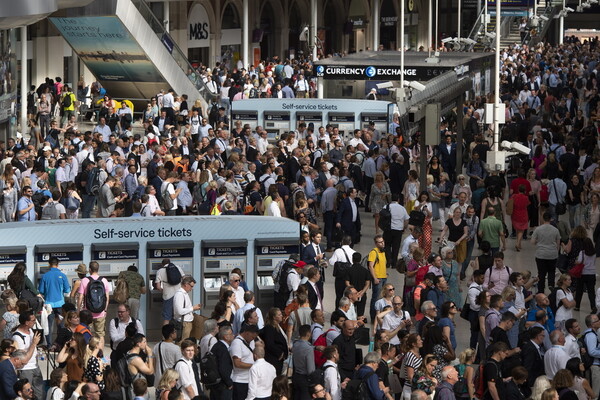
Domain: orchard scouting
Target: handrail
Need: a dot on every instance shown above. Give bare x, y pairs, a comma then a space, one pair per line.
178, 55
542, 27
475, 29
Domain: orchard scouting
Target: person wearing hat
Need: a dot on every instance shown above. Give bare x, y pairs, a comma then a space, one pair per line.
81, 272
294, 279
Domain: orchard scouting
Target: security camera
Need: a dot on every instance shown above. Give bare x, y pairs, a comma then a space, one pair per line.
516, 146
468, 41
491, 35
593, 1
569, 9
304, 34
448, 39
415, 85
544, 18
384, 85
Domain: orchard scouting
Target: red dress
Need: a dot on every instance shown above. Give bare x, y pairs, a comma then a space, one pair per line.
425, 238
519, 217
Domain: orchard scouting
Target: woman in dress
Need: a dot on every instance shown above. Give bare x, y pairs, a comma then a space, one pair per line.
588, 275
562, 382
537, 160
379, 197
424, 378
440, 346
423, 205
565, 301
447, 323
492, 200
445, 189
483, 301
519, 217
574, 246
9, 205
416, 262
434, 197
591, 214
411, 190
462, 186
435, 169
451, 271
458, 231
466, 369
575, 199
72, 355
385, 297
593, 184
533, 210
410, 363
94, 366
10, 319
277, 350
581, 385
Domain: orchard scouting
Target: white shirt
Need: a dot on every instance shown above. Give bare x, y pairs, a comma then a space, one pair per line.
391, 321
23, 342
319, 305
182, 306
293, 281
338, 255
203, 130
117, 333
399, 215
169, 353
206, 344
186, 377
554, 360
260, 383
169, 188
239, 348
317, 330
571, 347
274, 210
168, 100
239, 317
239, 296
261, 145
332, 380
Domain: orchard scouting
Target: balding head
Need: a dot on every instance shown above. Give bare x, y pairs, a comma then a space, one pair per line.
557, 337
329, 183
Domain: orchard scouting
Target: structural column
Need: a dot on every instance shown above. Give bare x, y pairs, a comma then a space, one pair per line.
561, 24
166, 12
375, 25
313, 29
245, 35
24, 83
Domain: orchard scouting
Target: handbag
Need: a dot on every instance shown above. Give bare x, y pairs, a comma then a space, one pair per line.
510, 204
340, 267
576, 271
73, 203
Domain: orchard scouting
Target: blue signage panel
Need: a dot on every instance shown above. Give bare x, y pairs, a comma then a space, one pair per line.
115, 255
224, 251
12, 259
170, 253
62, 256
268, 250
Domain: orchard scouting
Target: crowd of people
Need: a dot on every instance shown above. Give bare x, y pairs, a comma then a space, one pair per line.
454, 228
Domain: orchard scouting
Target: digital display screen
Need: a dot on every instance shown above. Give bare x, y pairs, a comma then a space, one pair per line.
212, 283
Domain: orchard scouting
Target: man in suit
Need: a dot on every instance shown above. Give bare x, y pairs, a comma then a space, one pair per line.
224, 389
163, 123
348, 217
448, 156
293, 165
8, 373
315, 294
531, 354
314, 254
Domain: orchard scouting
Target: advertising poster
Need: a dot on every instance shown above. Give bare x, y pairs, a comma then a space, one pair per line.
107, 49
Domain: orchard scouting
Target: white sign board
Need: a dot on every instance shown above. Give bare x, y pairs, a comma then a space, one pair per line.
198, 27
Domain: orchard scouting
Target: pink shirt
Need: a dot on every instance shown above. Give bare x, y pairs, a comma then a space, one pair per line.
83, 287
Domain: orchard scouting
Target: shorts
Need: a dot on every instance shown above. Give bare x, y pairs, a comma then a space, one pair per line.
99, 326
167, 311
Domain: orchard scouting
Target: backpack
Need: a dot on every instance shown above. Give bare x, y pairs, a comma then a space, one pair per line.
341, 267
49, 211
167, 201
409, 302
480, 385
579, 83
38, 198
67, 101
123, 369
357, 389
173, 274
93, 182
321, 341
317, 377
209, 371
121, 292
95, 295
552, 299
586, 359
280, 274
35, 302
415, 218
385, 218
283, 276
461, 388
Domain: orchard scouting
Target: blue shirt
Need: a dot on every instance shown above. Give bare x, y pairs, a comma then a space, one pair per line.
23, 203
448, 322
549, 323
372, 382
53, 285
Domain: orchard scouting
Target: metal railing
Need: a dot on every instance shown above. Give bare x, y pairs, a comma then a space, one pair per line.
477, 26
178, 55
542, 25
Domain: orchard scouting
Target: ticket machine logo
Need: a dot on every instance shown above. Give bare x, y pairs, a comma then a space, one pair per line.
157, 253
320, 70
46, 257
370, 72
212, 251
102, 255
265, 250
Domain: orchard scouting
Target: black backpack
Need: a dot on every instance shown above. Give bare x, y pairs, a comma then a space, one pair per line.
93, 182
173, 274
385, 218
357, 389
586, 359
209, 371
38, 199
317, 377
35, 302
95, 295
123, 369
282, 278
552, 299
67, 101
579, 83
416, 218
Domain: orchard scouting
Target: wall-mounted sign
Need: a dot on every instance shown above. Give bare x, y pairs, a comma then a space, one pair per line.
245, 115
62, 256
224, 251
268, 250
12, 259
369, 72
198, 27
115, 255
170, 253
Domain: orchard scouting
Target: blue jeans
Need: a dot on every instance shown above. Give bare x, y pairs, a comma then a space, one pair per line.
375, 296
87, 205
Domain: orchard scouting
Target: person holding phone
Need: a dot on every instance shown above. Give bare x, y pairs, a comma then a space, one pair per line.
26, 339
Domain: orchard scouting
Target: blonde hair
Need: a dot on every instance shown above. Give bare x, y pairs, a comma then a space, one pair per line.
89, 350
508, 294
541, 384
445, 250
167, 377
466, 356
430, 179
142, 180
549, 394
561, 279
379, 177
11, 302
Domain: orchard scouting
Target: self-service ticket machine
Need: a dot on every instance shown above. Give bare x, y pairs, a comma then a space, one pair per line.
312, 117
9, 256
112, 259
69, 257
181, 253
219, 257
380, 121
245, 117
344, 122
268, 254
276, 123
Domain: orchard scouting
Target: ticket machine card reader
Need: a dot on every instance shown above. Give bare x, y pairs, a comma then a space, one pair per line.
218, 259
276, 123
268, 254
345, 124
380, 121
245, 117
69, 257
8, 258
